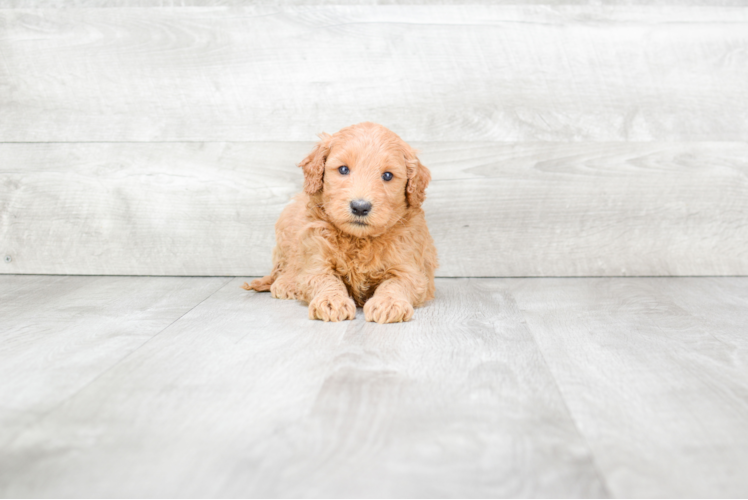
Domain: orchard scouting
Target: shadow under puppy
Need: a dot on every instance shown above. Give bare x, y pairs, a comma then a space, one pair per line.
357, 234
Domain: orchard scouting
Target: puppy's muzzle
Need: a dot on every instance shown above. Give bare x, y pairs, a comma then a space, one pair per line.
360, 208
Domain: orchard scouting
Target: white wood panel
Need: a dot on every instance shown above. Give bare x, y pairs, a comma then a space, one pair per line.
35, 4
591, 209
246, 397
431, 73
154, 209
494, 209
655, 373
58, 334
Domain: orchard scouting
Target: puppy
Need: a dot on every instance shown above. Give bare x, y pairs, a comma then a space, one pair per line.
357, 234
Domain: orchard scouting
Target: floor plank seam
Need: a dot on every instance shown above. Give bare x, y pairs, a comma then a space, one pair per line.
593, 459
117, 363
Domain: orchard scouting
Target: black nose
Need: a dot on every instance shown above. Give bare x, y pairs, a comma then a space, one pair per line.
360, 207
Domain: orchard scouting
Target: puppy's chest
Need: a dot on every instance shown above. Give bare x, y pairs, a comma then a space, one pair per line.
361, 272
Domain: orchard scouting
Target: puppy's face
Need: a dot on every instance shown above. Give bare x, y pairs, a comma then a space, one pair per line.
370, 178
364, 184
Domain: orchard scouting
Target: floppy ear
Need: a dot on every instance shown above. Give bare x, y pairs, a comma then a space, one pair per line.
418, 180
314, 164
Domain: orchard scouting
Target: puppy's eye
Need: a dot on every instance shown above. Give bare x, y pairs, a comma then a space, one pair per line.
387, 176
343, 170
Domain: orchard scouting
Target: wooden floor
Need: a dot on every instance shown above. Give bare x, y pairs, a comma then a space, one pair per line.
192, 387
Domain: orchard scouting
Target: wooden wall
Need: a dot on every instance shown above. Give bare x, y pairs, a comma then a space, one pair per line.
564, 140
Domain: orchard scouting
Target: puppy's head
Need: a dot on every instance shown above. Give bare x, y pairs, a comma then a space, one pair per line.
366, 178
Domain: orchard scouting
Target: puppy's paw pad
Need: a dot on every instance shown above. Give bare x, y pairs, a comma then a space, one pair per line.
332, 308
388, 310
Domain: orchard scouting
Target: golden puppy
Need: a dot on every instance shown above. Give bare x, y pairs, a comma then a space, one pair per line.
356, 235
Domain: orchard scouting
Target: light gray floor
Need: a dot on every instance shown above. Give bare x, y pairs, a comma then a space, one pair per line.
142, 386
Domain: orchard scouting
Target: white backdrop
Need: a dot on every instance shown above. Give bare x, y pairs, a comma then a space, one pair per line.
564, 140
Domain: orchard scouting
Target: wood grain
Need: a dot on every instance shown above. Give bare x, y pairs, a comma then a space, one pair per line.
58, 334
624, 387
540, 209
36, 4
244, 396
430, 72
154, 209
655, 373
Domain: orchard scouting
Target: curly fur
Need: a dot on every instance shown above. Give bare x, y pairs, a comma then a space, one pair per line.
334, 260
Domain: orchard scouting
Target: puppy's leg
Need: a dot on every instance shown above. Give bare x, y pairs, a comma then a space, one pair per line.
394, 299
328, 298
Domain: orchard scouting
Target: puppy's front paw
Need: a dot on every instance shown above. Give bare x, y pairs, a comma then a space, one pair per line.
283, 289
336, 307
387, 310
